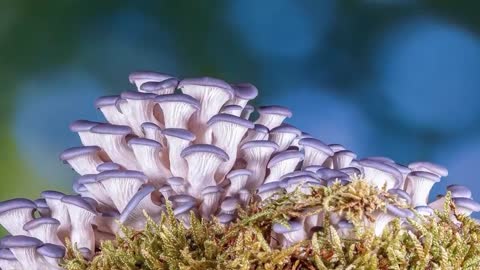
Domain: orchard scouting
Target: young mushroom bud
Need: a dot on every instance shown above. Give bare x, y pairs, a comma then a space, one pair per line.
244, 92
15, 213
59, 212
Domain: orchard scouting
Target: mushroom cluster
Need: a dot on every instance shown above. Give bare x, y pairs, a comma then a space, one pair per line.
192, 142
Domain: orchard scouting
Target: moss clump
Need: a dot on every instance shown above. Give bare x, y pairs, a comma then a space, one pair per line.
434, 242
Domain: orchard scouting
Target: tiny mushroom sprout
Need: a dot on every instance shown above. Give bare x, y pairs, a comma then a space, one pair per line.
190, 152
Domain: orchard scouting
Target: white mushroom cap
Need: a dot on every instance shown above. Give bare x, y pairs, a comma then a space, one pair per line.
164, 87
83, 214
108, 105
177, 141
272, 116
84, 160
59, 211
258, 133
44, 229
138, 108
257, 154
232, 110
292, 234
25, 250
96, 189
283, 163
428, 167
140, 77
316, 152
152, 132
177, 109
380, 174
238, 180
133, 216
244, 92
211, 201
284, 135
343, 158
178, 184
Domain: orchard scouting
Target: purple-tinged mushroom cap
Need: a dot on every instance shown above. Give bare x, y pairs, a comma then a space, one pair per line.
280, 110
467, 204
7, 254
285, 155
222, 117
34, 223
108, 166
14, 204
52, 194
79, 202
51, 251
155, 87
286, 128
380, 159
178, 98
429, 167
179, 133
121, 174
459, 191
424, 210
111, 129
316, 144
245, 90
293, 225
400, 193
208, 82
134, 95
144, 142
20, 241
83, 125
205, 148
106, 101
135, 201
74, 152
148, 75
261, 143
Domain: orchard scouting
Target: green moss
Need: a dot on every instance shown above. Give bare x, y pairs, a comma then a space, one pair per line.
431, 243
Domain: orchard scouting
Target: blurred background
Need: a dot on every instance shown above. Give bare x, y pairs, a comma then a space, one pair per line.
397, 78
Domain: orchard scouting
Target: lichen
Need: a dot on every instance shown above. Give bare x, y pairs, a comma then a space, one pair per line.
423, 242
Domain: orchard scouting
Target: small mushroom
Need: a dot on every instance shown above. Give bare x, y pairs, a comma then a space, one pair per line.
177, 141
272, 116
108, 105
267, 190
53, 254
429, 167
25, 250
211, 200
283, 163
316, 152
203, 162
97, 190
177, 109
45, 229
229, 206
42, 207
121, 185
345, 229
342, 159
15, 213
284, 135
381, 174
238, 180
164, 87
244, 92
247, 111
133, 214
84, 160
83, 129
391, 213
59, 212
419, 184
257, 133
178, 184
141, 77
232, 110
153, 132
291, 234
83, 214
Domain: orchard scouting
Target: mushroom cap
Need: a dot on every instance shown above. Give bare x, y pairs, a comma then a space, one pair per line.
336, 147
7, 254
108, 166
425, 175
317, 144
149, 125
259, 143
261, 128
230, 204
284, 155
111, 129
432, 167
178, 98
18, 203
157, 86
134, 95
380, 159
223, 117
41, 203
79, 202
245, 90
346, 153
34, 223
147, 75
51, 251
176, 181
212, 189
207, 82
398, 212
293, 225
231, 108
467, 203
401, 168
267, 187
121, 174
144, 142
204, 148
249, 108
351, 170
135, 200
106, 101
87, 179
385, 167
86, 252
78, 188
274, 109
424, 210
299, 175
459, 191
83, 125
52, 194
179, 133
183, 208
326, 173
182, 198
20, 241
286, 128
74, 152
237, 172
401, 194
225, 218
